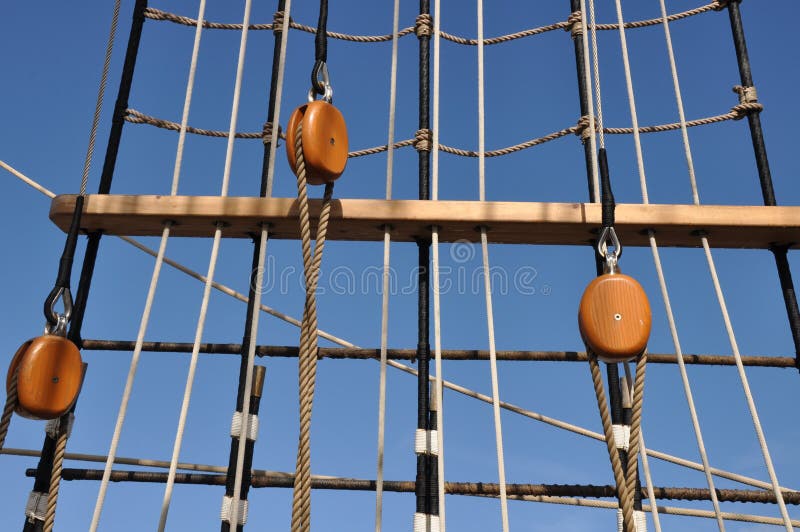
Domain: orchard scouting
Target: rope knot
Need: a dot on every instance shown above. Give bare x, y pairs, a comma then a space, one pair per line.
422, 140
719, 5
748, 102
423, 26
574, 24
266, 133
277, 21
582, 128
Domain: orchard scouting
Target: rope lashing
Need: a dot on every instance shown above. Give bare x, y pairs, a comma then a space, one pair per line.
423, 25
574, 24
422, 140
277, 22
748, 102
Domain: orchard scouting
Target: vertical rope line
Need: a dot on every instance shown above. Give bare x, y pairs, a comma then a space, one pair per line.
210, 276
498, 429
101, 90
8, 409
273, 146
648, 478
637, 141
154, 278
590, 100
746, 387
387, 239
437, 326
55, 480
596, 68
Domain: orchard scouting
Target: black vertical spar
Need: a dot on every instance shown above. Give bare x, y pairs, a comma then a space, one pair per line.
45, 465
270, 134
426, 492
765, 176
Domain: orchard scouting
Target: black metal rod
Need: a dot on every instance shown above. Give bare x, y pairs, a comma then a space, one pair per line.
45, 466
424, 481
765, 175
283, 480
447, 354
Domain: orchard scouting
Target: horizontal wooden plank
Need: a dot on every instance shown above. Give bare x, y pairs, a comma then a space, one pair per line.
508, 222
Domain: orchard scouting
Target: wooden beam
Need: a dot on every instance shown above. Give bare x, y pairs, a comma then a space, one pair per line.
508, 222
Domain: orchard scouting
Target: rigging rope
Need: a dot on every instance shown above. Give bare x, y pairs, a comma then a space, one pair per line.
307, 359
128, 390
498, 430
387, 239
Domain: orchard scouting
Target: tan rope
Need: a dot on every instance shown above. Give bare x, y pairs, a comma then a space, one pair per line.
623, 493
8, 409
424, 25
636, 422
55, 475
307, 358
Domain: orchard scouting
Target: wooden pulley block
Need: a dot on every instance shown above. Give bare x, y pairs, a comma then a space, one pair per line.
614, 317
324, 141
49, 372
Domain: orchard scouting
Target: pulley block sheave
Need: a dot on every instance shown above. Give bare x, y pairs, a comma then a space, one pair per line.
614, 317
49, 371
324, 138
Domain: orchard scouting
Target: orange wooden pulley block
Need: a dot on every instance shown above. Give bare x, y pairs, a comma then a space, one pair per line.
324, 137
49, 371
614, 317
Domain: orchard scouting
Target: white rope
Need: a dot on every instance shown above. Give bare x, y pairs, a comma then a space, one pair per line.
743, 479
437, 325
153, 280
746, 387
498, 429
387, 239
598, 94
207, 289
275, 119
717, 287
590, 101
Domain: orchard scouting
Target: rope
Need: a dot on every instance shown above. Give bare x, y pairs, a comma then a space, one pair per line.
187, 394
157, 14
437, 322
411, 371
55, 475
143, 324
487, 282
307, 360
387, 239
8, 409
647, 476
625, 498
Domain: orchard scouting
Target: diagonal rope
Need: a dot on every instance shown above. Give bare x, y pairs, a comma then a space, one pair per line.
128, 390
387, 239
498, 429
207, 289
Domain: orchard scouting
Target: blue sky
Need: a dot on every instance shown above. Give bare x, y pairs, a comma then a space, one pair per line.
51, 64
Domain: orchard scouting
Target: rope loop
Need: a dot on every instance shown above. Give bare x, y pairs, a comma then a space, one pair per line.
423, 26
266, 133
422, 140
743, 109
746, 94
574, 25
582, 128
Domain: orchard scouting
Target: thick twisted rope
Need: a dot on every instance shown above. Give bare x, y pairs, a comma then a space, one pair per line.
307, 359
8, 409
55, 475
623, 493
636, 422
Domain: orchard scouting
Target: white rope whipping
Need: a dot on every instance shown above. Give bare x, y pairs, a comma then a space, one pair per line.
487, 282
151, 291
721, 473
387, 240
207, 289
437, 323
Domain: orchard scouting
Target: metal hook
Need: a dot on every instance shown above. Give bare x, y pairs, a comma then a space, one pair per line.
320, 83
611, 255
56, 320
